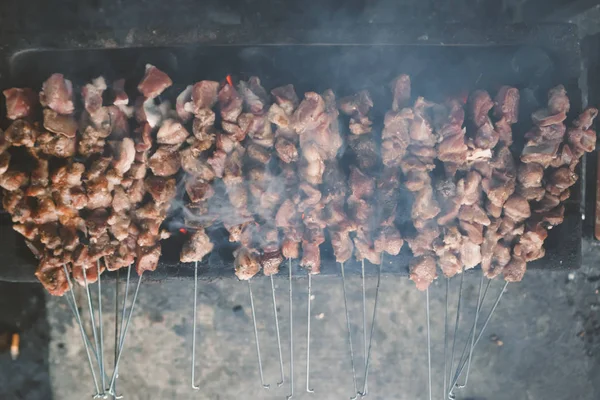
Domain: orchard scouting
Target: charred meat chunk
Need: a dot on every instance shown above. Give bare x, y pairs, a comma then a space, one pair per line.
161, 189
196, 247
246, 264
165, 161
147, 258
21, 133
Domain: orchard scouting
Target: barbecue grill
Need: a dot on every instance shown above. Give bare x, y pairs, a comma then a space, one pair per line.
446, 60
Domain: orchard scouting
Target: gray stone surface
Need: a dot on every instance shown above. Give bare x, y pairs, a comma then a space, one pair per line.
543, 341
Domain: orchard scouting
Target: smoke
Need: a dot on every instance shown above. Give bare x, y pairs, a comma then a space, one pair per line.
215, 211
437, 72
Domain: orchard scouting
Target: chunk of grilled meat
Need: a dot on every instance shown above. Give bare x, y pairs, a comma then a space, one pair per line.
161, 189
230, 103
57, 94
52, 277
12, 180
246, 263
203, 96
197, 246
515, 269
311, 257
171, 132
286, 98
517, 208
20, 102
506, 104
147, 258
357, 105
60, 124
395, 136
270, 262
423, 271
21, 133
401, 89
388, 239
165, 161
154, 82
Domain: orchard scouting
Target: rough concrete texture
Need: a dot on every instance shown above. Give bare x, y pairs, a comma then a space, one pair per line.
23, 311
543, 341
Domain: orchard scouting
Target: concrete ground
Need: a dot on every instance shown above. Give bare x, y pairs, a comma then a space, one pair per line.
543, 341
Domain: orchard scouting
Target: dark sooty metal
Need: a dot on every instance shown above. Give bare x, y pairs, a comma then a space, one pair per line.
446, 62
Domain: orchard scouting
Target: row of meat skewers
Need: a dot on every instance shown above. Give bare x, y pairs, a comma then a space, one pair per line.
100, 190
97, 184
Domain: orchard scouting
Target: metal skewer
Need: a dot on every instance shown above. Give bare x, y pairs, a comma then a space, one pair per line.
368, 357
473, 336
260, 368
88, 343
125, 329
121, 327
194, 327
456, 323
91, 310
84, 337
291, 335
428, 343
100, 325
471, 333
445, 387
117, 329
349, 330
278, 335
364, 305
463, 362
97, 348
308, 389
